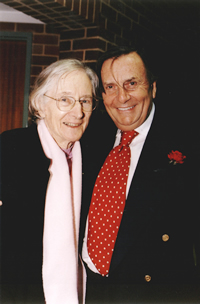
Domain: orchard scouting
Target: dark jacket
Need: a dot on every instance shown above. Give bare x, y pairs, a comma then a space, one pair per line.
24, 178
158, 240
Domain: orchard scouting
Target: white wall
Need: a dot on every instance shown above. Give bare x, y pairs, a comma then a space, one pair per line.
9, 14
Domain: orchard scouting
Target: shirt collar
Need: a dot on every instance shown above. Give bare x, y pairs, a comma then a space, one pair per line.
68, 151
144, 128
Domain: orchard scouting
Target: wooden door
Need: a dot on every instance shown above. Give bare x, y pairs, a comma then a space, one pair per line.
13, 70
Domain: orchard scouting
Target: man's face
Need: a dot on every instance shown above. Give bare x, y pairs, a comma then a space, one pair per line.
128, 95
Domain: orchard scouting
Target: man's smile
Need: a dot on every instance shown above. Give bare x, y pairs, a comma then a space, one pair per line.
126, 109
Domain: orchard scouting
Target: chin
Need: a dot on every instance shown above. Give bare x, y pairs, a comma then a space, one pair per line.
126, 127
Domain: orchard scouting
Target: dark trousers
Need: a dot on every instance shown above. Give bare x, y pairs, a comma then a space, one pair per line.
101, 290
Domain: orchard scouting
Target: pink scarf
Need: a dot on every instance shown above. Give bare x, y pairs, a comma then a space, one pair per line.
61, 222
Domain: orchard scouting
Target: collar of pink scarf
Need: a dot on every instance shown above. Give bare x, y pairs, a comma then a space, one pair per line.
61, 222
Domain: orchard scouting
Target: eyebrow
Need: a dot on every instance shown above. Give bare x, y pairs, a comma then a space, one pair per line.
65, 93
111, 82
132, 78
70, 94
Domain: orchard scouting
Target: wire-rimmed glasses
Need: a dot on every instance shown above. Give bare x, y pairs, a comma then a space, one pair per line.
66, 103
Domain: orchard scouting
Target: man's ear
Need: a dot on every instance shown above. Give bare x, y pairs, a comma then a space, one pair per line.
154, 89
103, 95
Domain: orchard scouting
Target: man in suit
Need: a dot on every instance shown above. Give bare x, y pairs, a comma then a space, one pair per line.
156, 247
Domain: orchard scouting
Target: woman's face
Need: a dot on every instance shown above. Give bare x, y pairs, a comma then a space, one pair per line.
67, 127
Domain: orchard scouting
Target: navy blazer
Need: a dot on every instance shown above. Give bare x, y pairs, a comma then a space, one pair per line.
158, 240
24, 178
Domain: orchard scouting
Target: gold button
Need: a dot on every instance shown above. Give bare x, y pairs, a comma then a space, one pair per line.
147, 278
165, 237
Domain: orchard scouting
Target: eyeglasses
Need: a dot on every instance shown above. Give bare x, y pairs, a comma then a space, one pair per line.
66, 103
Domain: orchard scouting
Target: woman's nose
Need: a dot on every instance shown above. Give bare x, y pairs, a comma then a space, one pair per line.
77, 110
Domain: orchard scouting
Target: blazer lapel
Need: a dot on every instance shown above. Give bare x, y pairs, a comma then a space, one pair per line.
138, 206
38, 178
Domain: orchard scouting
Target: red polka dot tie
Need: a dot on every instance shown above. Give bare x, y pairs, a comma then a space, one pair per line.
107, 204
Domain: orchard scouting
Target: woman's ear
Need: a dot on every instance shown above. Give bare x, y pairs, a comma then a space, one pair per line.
41, 107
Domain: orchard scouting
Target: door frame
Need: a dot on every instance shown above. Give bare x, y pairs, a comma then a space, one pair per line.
21, 36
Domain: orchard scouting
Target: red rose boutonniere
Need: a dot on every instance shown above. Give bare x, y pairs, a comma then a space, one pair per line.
176, 157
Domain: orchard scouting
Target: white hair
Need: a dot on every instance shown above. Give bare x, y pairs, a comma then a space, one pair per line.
51, 75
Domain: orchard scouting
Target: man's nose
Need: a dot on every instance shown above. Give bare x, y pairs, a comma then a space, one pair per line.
123, 95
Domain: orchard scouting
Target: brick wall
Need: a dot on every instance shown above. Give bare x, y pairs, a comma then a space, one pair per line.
85, 28
89, 27
116, 22
45, 46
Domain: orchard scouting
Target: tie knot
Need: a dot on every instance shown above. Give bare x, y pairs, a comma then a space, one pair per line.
127, 137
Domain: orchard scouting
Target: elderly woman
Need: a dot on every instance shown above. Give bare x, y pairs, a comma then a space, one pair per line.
41, 188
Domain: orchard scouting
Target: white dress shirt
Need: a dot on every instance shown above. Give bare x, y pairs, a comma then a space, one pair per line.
136, 148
